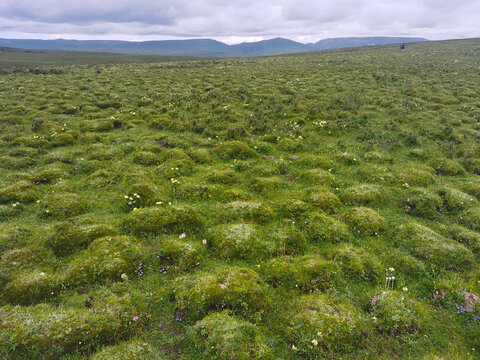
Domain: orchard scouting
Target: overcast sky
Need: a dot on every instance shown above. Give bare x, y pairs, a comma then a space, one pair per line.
237, 21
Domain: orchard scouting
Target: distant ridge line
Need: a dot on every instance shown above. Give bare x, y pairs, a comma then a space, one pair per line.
201, 47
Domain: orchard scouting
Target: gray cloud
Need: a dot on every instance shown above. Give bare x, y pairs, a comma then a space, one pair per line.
303, 20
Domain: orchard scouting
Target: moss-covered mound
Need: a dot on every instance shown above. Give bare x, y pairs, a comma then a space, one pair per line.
365, 221
105, 259
428, 245
223, 336
307, 273
319, 326
242, 241
163, 219
238, 289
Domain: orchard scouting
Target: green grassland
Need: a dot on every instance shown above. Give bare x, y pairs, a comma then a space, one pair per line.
315, 206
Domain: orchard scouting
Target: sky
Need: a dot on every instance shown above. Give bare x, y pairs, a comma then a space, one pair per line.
237, 21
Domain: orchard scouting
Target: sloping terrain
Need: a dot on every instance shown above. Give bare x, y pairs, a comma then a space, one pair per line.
324, 205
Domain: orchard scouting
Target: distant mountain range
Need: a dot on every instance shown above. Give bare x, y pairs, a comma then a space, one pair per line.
200, 47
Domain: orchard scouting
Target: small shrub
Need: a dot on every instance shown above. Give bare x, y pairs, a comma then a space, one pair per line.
225, 337
423, 203
162, 220
238, 289
106, 258
365, 221
322, 228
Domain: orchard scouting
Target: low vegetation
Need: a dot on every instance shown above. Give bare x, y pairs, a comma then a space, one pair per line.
314, 206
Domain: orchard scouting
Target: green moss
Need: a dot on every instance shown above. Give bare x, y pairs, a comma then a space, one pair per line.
222, 177
322, 228
62, 205
324, 200
242, 241
413, 176
144, 193
455, 200
396, 313
12, 235
430, 246
21, 191
49, 175
317, 177
358, 263
472, 188
319, 326
365, 221
290, 145
200, 156
181, 253
447, 167
290, 240
307, 273
379, 157
238, 289
363, 194
266, 185
248, 211
162, 220
292, 208
176, 168
106, 258
96, 125
31, 287
147, 158
471, 218
135, 349
423, 203
63, 140
230, 150
224, 337
45, 331
10, 162
67, 237
467, 237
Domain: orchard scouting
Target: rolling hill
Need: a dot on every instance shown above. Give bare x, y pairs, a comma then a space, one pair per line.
199, 47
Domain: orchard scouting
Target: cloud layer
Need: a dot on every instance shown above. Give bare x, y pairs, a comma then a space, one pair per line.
238, 20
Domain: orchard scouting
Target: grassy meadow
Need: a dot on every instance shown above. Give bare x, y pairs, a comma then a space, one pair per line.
315, 206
